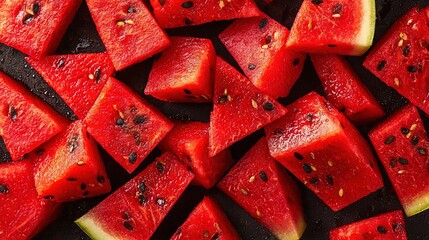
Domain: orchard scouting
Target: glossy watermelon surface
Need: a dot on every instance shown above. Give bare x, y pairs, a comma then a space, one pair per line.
24, 213
35, 27
136, 209
75, 76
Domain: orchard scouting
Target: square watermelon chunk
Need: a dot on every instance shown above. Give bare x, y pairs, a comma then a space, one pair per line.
317, 144
125, 125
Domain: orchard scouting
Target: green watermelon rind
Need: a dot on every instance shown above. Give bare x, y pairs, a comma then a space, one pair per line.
89, 225
365, 36
293, 234
417, 205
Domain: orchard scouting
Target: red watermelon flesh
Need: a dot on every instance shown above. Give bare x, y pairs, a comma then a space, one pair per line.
263, 188
388, 226
317, 144
401, 144
175, 13
128, 30
333, 26
69, 166
239, 108
399, 58
206, 221
189, 142
25, 121
184, 72
35, 27
24, 213
136, 209
76, 76
258, 45
125, 125
345, 90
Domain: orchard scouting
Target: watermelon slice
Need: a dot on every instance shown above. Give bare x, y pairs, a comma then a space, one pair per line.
189, 142
76, 76
333, 26
125, 125
388, 226
69, 167
175, 13
239, 108
26, 121
263, 188
128, 30
35, 27
184, 72
24, 213
345, 90
316, 143
136, 209
402, 146
258, 45
207, 221
399, 58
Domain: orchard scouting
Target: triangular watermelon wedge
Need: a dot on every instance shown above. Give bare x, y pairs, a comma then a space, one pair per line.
239, 108
76, 76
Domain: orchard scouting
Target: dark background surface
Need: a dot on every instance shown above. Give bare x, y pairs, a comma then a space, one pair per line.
82, 37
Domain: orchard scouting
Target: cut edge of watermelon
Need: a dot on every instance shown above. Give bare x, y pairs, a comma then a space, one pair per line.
294, 233
417, 205
365, 36
91, 228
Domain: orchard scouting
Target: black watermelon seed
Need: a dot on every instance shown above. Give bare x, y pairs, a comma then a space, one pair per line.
396, 227
279, 132
36, 8
405, 130
60, 63
422, 151
389, 140
406, 51
83, 186
179, 231
295, 62
337, 8
27, 19
251, 66
132, 9
263, 23
381, 229
314, 180
160, 167
330, 180
268, 39
132, 158
412, 69
97, 73
381, 65
187, 4
309, 117
161, 2
222, 99
71, 179
393, 163
160, 201
415, 140
12, 113
268, 106
188, 21
137, 138
306, 168
317, 2
298, 156
26, 156
403, 161
263, 176
100, 179
40, 151
128, 225
120, 122
216, 236
332, 45
85, 193
49, 197
187, 91
142, 200
3, 189
139, 119
142, 187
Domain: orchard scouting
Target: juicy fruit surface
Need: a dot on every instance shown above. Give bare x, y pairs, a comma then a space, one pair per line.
75, 76
24, 213
345, 90
258, 45
25, 121
171, 14
184, 71
399, 58
69, 167
324, 151
128, 31
263, 188
189, 142
339, 27
136, 209
125, 125
401, 144
388, 226
206, 221
35, 27
236, 100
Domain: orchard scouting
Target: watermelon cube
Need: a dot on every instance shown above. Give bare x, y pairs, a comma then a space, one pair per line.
136, 209
345, 90
175, 13
258, 45
402, 146
35, 27
128, 30
239, 108
206, 221
184, 71
263, 188
317, 144
75, 76
399, 58
69, 166
331, 26
125, 125
189, 142
25, 120
24, 213
388, 226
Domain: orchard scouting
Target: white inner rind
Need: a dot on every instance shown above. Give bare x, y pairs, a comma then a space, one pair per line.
365, 35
